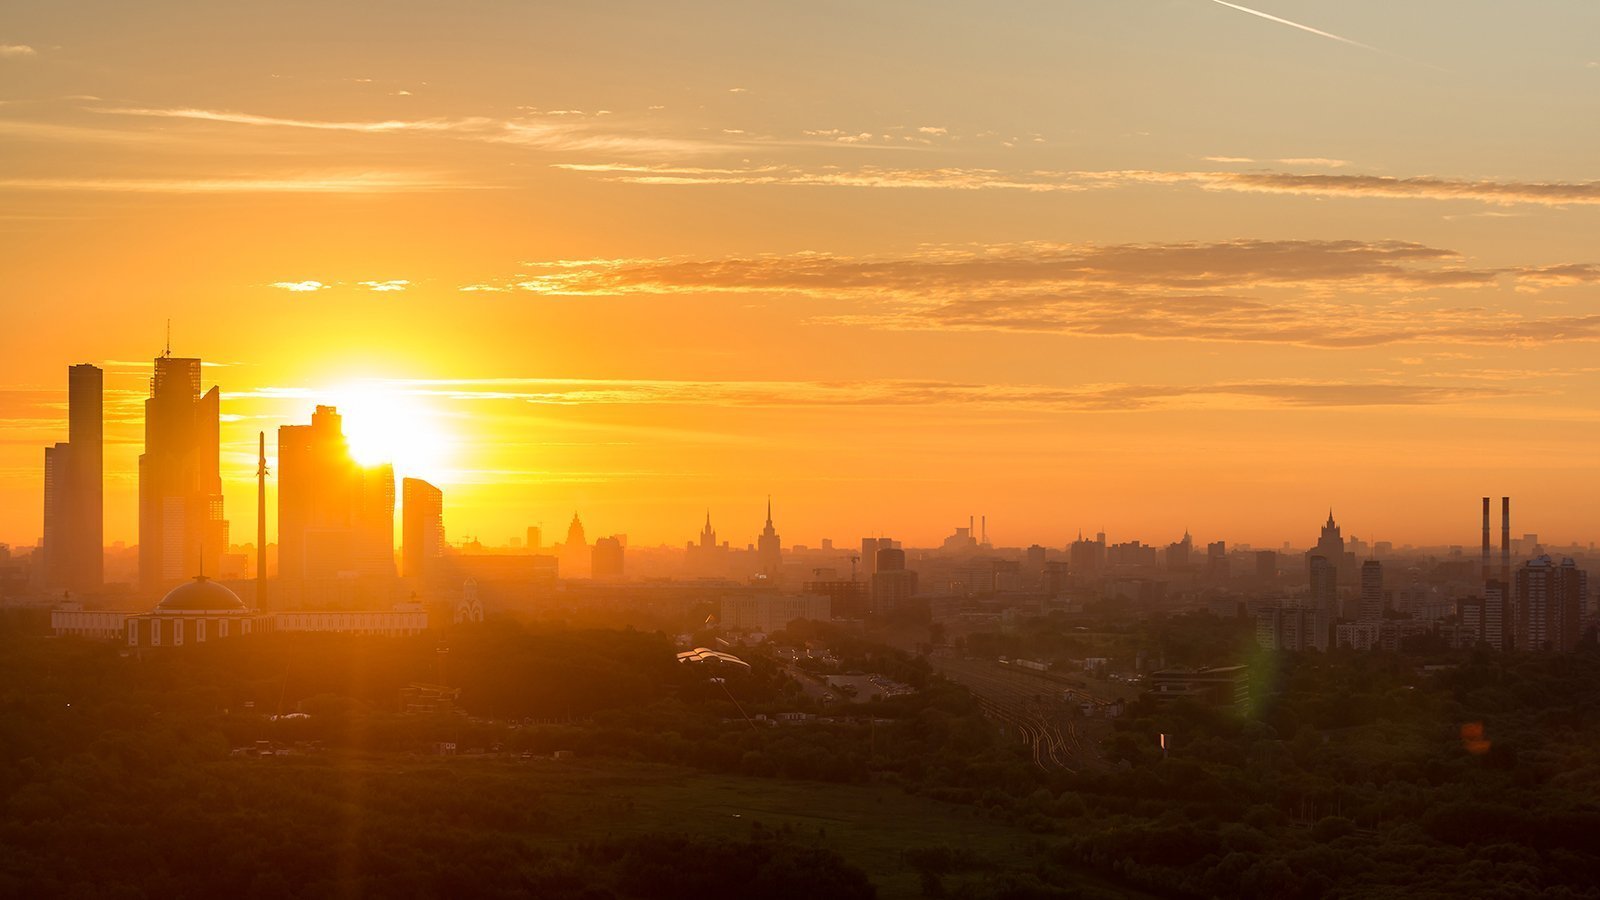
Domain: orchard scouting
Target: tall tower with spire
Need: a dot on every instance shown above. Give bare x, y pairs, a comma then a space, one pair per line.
769, 549
708, 535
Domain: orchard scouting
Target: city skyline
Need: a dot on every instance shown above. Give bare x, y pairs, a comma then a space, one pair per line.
365, 454
1145, 267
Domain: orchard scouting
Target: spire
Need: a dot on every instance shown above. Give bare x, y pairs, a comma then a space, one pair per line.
1330, 517
708, 520
769, 510
168, 353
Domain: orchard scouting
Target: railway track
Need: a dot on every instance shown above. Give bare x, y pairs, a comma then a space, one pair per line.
1032, 708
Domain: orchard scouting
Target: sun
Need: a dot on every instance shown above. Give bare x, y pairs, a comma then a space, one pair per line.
388, 424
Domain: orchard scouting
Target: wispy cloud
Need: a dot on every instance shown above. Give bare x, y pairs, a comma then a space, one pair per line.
1326, 294
17, 51
301, 286
1044, 181
554, 130
962, 179
313, 183
1264, 393
398, 284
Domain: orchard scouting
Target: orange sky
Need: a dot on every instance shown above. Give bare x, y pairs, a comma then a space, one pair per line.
1080, 264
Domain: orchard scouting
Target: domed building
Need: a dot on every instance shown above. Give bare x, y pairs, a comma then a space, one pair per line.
198, 610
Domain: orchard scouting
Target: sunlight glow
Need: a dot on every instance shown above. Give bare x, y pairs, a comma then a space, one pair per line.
384, 423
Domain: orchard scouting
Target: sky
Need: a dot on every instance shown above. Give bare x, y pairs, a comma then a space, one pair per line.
1133, 265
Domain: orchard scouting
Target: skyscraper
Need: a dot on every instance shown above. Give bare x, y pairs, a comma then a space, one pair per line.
74, 501
334, 516
181, 529
769, 550
422, 528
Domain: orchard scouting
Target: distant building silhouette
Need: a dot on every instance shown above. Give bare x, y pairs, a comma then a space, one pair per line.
335, 517
606, 559
1289, 627
1324, 586
421, 529
575, 557
1371, 605
892, 583
74, 494
1550, 600
181, 528
535, 540
769, 549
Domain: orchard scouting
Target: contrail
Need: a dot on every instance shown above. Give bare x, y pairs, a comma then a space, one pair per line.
1272, 18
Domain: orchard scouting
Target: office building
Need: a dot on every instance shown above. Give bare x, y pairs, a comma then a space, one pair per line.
335, 517
421, 529
181, 528
74, 489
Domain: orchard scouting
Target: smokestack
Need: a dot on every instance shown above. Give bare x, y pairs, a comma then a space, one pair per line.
970, 529
261, 525
1486, 539
985, 521
1505, 540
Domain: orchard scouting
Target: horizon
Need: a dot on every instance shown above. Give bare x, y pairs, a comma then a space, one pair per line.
1190, 264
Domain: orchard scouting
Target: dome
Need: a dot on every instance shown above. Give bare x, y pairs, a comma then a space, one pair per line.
200, 594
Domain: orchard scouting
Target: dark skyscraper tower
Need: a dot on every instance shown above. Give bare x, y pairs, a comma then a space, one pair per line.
181, 529
74, 507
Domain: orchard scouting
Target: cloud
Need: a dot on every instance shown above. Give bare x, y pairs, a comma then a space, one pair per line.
899, 393
962, 179
17, 51
1325, 294
398, 284
301, 286
1007, 269
314, 183
567, 130
1501, 193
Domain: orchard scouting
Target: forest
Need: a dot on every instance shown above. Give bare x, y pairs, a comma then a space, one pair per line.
236, 767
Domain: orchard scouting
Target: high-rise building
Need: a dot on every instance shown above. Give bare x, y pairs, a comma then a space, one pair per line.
75, 488
576, 560
335, 517
181, 529
1217, 559
607, 558
1371, 607
535, 539
1324, 586
769, 550
1550, 600
1178, 553
1291, 628
1087, 557
1266, 564
421, 528
892, 583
